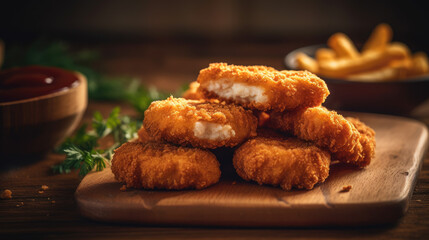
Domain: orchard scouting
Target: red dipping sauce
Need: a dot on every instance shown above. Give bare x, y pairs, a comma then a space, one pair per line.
34, 81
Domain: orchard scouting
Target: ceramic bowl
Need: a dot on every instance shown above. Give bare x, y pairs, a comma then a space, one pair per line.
393, 97
32, 127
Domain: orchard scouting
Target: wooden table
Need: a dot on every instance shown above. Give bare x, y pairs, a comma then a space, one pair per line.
53, 214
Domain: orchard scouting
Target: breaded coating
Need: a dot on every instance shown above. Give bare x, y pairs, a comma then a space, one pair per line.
367, 139
144, 136
262, 88
156, 165
6, 194
263, 117
280, 161
269, 133
348, 143
200, 123
192, 93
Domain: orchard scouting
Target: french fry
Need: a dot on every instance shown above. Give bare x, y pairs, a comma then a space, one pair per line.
403, 65
420, 64
325, 54
306, 62
384, 74
365, 62
1, 53
379, 38
399, 45
380, 60
343, 46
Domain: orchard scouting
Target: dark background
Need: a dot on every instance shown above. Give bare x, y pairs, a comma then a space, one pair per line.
221, 20
166, 43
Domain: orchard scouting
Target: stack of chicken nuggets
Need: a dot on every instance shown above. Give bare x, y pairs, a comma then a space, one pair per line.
274, 120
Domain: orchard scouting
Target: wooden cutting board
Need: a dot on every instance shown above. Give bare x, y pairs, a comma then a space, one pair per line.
380, 193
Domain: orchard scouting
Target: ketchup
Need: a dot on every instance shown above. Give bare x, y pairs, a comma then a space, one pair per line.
33, 81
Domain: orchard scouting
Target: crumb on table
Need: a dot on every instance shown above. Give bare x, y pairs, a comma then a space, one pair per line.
44, 187
346, 188
6, 194
123, 188
40, 191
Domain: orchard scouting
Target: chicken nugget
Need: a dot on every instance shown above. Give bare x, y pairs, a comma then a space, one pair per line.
349, 142
262, 88
193, 93
157, 165
200, 123
281, 161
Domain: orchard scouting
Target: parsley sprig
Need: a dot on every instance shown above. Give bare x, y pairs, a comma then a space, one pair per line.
82, 150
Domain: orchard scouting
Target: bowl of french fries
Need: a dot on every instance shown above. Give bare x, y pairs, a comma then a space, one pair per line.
382, 76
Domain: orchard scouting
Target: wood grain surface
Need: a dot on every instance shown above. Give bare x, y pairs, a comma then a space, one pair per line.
380, 192
41, 218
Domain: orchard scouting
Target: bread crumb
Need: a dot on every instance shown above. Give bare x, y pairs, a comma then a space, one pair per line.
44, 187
346, 188
20, 204
6, 194
123, 188
41, 191
233, 183
53, 201
263, 117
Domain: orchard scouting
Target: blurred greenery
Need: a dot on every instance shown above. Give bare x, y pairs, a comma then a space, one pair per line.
58, 53
82, 150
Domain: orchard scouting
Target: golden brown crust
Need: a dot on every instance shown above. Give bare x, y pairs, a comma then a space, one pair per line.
263, 117
6, 194
329, 130
173, 120
192, 93
286, 90
144, 136
284, 162
156, 165
346, 188
367, 140
269, 133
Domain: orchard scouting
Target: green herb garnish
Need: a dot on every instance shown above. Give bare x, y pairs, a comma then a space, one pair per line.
82, 150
